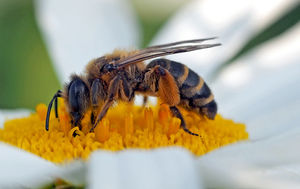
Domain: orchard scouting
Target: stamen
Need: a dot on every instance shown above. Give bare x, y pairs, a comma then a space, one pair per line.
102, 130
174, 126
125, 126
148, 114
128, 125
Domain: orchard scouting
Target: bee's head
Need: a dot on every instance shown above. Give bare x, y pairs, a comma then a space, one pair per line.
77, 98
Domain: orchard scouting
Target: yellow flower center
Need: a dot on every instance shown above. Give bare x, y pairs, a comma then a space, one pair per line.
125, 126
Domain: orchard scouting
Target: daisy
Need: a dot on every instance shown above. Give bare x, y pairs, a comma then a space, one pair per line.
261, 94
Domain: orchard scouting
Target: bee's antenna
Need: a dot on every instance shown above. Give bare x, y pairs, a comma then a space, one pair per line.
56, 107
57, 94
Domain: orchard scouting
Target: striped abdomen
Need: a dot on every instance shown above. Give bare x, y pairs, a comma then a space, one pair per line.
194, 93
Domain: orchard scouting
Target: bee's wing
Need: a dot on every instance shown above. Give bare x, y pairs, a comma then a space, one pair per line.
163, 50
180, 42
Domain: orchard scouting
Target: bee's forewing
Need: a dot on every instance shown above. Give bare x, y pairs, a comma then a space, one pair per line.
165, 49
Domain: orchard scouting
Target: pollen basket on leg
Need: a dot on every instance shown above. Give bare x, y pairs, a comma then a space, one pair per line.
125, 126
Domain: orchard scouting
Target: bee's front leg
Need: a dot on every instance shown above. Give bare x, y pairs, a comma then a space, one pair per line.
112, 91
98, 95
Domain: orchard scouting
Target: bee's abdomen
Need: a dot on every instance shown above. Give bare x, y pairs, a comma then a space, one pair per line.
194, 92
196, 95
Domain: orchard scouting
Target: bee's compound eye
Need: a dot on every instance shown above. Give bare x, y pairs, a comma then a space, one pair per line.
78, 99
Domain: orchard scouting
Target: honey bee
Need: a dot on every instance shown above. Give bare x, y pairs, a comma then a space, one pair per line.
122, 74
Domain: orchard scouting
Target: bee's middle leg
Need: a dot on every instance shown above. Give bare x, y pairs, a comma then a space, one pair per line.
93, 118
177, 114
145, 100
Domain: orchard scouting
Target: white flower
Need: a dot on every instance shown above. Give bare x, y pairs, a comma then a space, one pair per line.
260, 89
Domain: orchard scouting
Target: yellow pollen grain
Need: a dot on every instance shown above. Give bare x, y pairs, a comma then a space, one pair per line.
125, 126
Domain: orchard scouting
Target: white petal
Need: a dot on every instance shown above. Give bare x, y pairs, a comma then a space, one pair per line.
269, 163
261, 89
160, 168
10, 114
74, 172
78, 31
233, 21
20, 169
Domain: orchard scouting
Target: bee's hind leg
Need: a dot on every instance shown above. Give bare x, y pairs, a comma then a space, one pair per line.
177, 114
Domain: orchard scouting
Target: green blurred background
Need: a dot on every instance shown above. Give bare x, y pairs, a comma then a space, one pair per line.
27, 76
26, 73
